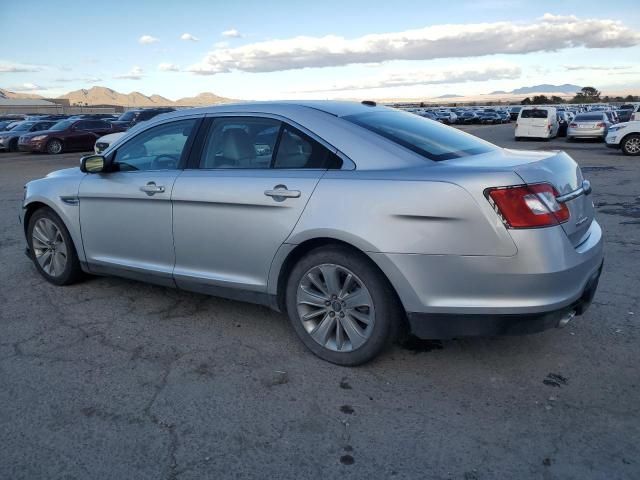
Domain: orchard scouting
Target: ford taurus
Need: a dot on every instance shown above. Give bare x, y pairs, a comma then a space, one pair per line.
357, 220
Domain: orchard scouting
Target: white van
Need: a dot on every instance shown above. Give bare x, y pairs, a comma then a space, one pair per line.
537, 122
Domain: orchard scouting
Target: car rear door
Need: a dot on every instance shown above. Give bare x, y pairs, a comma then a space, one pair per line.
126, 214
250, 180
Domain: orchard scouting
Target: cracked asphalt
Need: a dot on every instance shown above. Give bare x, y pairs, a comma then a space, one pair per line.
115, 379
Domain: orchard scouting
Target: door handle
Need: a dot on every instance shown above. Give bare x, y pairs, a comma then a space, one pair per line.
151, 188
280, 193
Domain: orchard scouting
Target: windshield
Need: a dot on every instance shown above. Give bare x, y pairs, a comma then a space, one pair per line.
127, 116
592, 116
23, 127
63, 125
429, 139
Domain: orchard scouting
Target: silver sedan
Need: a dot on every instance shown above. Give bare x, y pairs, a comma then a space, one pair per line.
360, 222
588, 125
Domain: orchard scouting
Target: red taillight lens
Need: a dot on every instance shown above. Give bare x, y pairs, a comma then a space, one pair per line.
600, 125
528, 206
573, 125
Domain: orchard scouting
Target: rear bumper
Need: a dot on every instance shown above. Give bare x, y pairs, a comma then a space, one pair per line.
446, 326
586, 133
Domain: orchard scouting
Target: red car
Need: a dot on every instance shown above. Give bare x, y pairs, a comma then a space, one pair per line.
67, 136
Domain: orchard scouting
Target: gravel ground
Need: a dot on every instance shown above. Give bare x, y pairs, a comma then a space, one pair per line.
112, 378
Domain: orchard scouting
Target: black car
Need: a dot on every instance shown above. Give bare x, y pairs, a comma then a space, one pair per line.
490, 117
514, 112
9, 139
469, 117
132, 117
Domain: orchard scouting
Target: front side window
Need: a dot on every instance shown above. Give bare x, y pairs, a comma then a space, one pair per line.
240, 142
158, 148
428, 139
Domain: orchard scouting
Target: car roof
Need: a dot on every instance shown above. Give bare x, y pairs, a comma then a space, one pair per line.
331, 107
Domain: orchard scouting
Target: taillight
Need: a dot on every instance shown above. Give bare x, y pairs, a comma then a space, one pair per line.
573, 125
528, 206
600, 125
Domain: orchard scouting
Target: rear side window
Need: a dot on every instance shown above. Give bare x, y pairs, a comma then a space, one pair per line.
429, 139
536, 113
298, 150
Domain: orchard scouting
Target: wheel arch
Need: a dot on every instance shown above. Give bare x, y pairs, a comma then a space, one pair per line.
35, 205
292, 253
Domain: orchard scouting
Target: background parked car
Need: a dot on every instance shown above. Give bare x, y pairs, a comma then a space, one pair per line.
130, 118
589, 125
9, 139
513, 112
627, 111
66, 136
537, 122
625, 136
489, 117
447, 118
468, 118
103, 142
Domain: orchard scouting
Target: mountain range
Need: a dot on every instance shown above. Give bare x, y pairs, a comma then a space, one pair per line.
107, 96
566, 88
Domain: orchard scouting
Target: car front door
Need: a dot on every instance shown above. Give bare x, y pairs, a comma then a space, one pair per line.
251, 179
126, 214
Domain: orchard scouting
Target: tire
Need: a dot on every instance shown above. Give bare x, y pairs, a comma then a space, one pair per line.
46, 232
630, 145
518, 139
13, 145
310, 288
54, 147
569, 139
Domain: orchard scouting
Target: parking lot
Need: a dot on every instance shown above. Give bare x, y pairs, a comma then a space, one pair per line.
111, 378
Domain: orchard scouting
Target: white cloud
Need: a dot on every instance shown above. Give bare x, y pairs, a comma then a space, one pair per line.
231, 33
596, 67
148, 40
78, 79
11, 67
27, 87
549, 33
188, 37
463, 74
168, 67
221, 44
135, 73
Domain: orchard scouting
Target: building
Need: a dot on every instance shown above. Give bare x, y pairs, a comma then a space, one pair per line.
50, 106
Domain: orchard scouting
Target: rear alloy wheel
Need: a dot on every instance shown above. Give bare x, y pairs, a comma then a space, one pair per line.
631, 145
52, 249
341, 306
54, 147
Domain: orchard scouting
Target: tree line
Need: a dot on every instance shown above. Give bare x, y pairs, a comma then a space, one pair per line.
585, 95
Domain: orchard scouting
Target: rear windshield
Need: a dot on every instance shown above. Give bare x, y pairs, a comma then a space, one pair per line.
427, 138
588, 116
125, 117
537, 113
627, 107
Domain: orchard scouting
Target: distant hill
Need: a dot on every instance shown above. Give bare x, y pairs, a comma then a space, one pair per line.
543, 88
201, 100
9, 94
450, 95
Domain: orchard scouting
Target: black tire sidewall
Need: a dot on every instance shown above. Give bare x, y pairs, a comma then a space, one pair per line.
72, 270
13, 145
384, 302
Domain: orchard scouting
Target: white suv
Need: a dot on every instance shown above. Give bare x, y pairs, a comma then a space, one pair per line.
625, 136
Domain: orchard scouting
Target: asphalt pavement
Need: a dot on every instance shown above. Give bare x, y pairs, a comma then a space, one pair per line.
115, 379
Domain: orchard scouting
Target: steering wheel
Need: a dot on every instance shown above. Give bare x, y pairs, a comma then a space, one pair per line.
165, 162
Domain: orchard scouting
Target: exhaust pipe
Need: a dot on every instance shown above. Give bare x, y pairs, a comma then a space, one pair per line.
564, 321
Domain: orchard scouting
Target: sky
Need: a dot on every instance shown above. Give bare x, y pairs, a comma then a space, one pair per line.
327, 49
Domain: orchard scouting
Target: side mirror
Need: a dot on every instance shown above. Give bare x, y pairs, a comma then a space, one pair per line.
93, 164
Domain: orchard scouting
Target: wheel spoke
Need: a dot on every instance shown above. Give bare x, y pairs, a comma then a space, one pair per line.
354, 332
314, 314
322, 331
339, 335
58, 262
361, 317
359, 298
307, 297
330, 274
39, 234
45, 261
346, 285
315, 280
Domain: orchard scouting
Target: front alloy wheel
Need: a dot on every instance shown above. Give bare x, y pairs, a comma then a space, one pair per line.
335, 307
49, 247
54, 147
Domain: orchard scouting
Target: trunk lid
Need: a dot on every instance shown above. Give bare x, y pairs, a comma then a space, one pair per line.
561, 171
553, 167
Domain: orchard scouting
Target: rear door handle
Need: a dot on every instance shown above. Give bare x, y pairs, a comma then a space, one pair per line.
151, 188
280, 193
